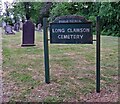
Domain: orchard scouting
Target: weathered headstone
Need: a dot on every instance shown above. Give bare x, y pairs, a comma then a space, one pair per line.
3, 24
71, 30
21, 25
8, 30
17, 27
28, 34
39, 27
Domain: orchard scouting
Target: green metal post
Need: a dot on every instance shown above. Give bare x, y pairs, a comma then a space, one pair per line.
46, 50
98, 54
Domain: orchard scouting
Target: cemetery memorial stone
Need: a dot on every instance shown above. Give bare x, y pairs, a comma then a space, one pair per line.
8, 30
21, 25
28, 33
17, 27
39, 27
3, 24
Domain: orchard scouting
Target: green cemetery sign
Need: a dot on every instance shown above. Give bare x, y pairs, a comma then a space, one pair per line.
71, 30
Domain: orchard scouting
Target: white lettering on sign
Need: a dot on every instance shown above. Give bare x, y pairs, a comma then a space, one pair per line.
69, 21
75, 30
70, 36
71, 30
58, 30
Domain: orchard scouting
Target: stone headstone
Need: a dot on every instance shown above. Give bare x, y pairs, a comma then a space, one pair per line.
39, 27
17, 27
21, 25
8, 29
28, 34
3, 24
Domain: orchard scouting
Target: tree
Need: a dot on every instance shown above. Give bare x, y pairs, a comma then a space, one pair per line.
60, 9
31, 8
110, 14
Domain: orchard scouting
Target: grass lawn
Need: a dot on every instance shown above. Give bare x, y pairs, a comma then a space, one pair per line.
72, 71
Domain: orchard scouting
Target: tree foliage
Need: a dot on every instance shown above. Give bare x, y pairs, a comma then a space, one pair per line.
20, 10
109, 12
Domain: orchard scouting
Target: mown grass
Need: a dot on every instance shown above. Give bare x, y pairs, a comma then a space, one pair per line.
72, 69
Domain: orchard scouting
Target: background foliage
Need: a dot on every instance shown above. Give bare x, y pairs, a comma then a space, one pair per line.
109, 12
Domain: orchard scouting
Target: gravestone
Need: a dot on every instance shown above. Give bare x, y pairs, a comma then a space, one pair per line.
17, 27
3, 24
21, 25
39, 27
8, 30
28, 34
71, 30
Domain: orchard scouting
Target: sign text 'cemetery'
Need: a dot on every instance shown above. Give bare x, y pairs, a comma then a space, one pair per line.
74, 29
